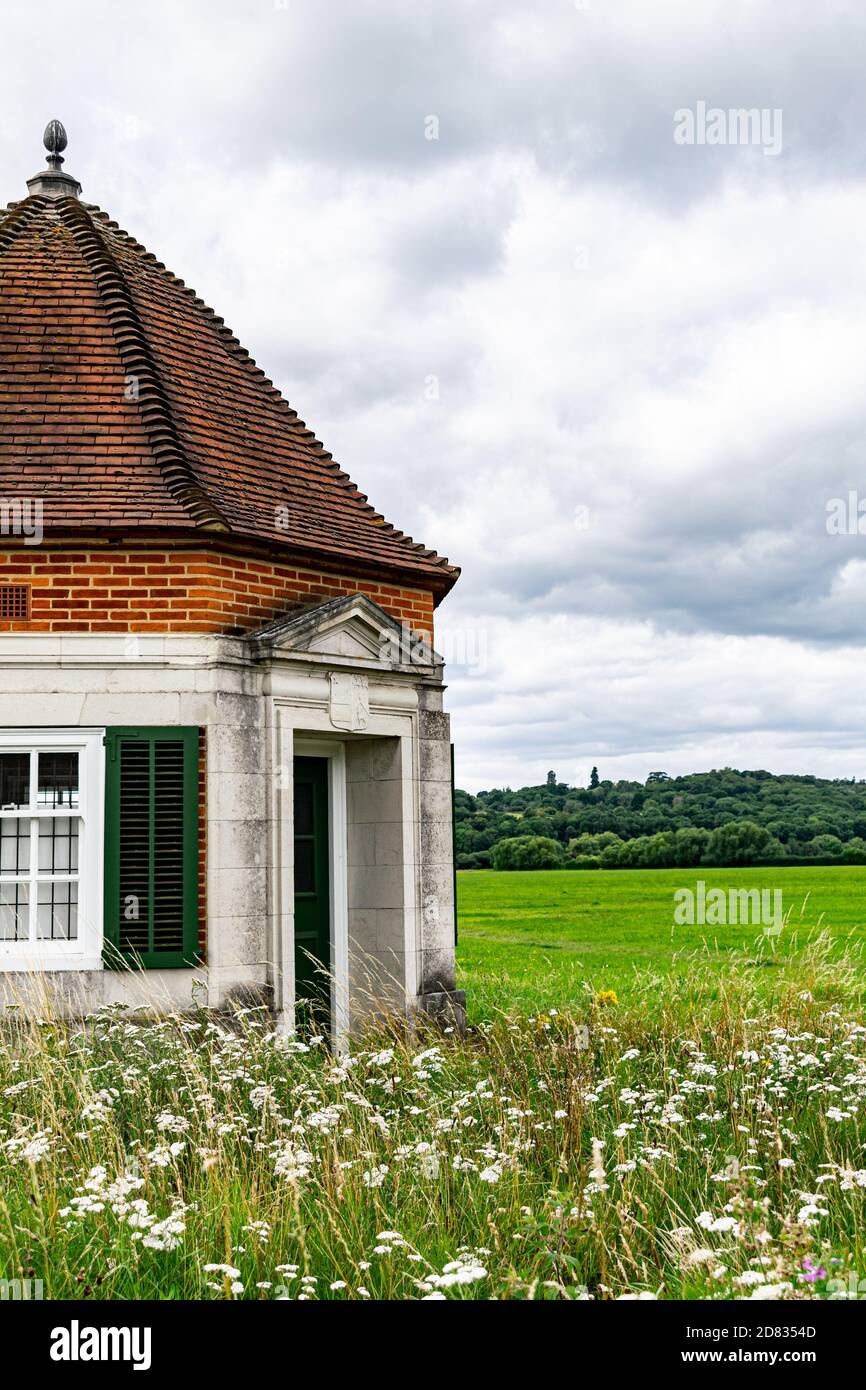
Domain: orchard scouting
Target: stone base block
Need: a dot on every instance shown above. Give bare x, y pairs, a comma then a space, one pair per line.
446, 1007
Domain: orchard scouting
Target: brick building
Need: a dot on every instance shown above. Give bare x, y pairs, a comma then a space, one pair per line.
224, 761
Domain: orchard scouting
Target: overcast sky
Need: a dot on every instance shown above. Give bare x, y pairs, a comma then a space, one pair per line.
617, 378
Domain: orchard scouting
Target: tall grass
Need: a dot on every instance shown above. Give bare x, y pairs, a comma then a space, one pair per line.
700, 1140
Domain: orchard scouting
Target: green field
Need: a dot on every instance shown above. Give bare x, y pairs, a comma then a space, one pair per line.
546, 938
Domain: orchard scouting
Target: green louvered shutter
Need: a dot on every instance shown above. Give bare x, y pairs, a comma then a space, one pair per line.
151, 846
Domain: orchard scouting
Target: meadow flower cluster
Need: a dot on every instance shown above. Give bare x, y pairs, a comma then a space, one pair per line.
670, 1151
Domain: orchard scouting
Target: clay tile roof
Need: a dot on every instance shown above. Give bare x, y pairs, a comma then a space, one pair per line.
126, 404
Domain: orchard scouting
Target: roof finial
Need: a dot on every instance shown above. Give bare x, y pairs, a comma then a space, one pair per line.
52, 182
55, 142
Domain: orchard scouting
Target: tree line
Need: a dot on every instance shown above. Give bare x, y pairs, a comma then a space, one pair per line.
723, 817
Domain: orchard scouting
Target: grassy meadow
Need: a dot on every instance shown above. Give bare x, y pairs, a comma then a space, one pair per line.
635, 1114
546, 938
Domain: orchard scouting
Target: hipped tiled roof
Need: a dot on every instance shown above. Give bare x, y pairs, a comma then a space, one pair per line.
126, 404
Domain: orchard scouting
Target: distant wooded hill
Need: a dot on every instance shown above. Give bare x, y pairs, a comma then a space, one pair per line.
722, 817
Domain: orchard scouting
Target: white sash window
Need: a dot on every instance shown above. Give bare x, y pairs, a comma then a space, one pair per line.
51, 826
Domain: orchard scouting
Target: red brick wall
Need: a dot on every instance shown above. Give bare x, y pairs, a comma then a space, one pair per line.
92, 588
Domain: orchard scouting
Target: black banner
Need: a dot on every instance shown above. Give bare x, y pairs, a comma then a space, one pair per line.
82, 1339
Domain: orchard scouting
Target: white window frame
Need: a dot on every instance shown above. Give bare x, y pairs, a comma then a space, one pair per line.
84, 953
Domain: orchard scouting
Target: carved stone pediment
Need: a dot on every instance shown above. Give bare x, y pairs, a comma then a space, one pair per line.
352, 630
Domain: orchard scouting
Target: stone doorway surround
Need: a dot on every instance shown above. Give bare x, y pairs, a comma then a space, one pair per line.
344, 682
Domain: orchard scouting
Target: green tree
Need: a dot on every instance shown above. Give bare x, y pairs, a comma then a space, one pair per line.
593, 778
824, 845
691, 846
739, 842
583, 845
527, 852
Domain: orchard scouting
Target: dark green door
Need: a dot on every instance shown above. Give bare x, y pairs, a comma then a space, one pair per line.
312, 893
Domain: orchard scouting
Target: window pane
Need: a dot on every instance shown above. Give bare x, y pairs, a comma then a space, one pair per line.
58, 845
57, 912
14, 846
14, 781
58, 781
305, 879
303, 808
14, 911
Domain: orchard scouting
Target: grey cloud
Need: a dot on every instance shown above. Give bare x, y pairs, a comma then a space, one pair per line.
695, 380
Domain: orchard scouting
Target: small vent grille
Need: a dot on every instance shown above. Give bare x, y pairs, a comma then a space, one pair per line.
14, 602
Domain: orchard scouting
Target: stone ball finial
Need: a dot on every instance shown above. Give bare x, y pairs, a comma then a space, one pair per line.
52, 182
54, 141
